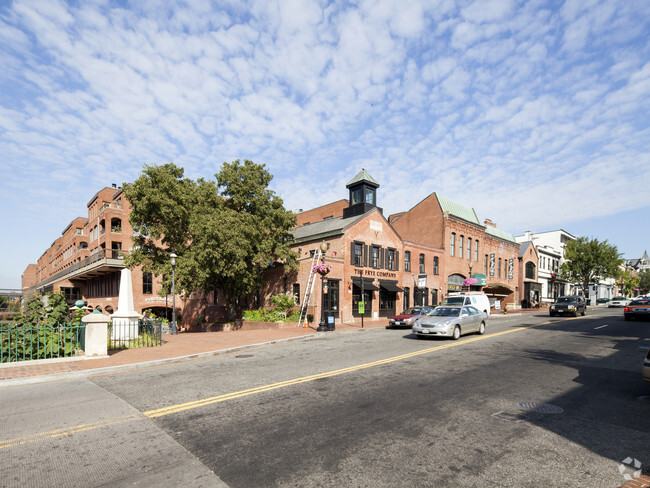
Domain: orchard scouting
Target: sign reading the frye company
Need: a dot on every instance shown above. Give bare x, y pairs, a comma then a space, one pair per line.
376, 273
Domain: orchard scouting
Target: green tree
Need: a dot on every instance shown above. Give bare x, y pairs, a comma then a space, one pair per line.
225, 232
589, 260
644, 281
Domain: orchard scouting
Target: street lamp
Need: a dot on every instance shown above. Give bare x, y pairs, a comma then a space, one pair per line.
172, 260
322, 327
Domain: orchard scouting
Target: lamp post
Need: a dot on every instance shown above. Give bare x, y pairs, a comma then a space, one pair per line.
471, 265
172, 260
322, 326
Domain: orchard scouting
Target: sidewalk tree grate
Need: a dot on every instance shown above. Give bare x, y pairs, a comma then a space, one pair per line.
540, 407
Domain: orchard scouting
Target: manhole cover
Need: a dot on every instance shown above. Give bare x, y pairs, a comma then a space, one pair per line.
540, 407
244, 356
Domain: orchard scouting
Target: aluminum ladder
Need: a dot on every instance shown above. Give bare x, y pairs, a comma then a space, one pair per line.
310, 287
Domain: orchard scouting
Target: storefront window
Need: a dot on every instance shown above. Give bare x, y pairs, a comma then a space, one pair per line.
387, 301
407, 298
421, 296
356, 296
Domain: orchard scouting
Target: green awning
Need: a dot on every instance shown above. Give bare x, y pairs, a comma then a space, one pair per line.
482, 279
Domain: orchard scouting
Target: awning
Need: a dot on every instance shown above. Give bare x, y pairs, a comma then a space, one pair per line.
367, 283
389, 285
497, 290
482, 279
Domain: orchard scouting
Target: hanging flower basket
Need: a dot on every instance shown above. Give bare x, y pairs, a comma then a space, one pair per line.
470, 282
322, 268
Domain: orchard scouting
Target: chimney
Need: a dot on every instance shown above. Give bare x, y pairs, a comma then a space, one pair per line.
113, 185
489, 222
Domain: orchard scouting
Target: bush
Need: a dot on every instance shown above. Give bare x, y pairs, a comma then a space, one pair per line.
270, 315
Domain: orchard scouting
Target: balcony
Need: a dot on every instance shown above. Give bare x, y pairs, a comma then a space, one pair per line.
101, 263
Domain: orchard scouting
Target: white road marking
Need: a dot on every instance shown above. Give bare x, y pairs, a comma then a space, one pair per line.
601, 326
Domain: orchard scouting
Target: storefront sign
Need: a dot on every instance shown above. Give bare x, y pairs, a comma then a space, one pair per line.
375, 273
422, 282
154, 299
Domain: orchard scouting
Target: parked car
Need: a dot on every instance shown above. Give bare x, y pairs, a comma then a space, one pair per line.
602, 300
645, 371
618, 302
408, 317
451, 321
637, 309
476, 299
569, 305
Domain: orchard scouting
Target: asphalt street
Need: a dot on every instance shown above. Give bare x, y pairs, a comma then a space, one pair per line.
534, 402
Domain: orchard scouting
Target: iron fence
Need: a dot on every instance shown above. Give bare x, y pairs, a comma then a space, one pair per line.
138, 333
40, 341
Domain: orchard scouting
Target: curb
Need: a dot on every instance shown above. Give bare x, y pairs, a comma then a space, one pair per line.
158, 362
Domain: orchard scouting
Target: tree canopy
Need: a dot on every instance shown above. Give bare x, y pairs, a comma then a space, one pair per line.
589, 260
224, 232
644, 281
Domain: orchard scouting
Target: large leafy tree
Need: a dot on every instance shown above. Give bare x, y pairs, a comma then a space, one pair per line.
589, 260
225, 232
644, 281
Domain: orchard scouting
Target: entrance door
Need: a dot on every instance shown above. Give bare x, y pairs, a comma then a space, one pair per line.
367, 298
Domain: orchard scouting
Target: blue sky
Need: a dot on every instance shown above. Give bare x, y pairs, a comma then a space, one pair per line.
534, 113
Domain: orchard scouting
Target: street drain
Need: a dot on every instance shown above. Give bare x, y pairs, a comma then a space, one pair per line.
510, 417
540, 407
244, 356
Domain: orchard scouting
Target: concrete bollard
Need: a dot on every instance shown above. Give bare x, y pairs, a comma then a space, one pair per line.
96, 334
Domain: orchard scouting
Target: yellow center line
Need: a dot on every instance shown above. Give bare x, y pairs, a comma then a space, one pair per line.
160, 412
63, 432
163, 411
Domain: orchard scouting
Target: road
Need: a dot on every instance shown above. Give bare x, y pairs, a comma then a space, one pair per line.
534, 402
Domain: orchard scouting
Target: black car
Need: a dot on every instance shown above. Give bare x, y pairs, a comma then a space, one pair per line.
569, 305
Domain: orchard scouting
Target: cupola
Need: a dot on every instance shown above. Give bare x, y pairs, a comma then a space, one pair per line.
363, 195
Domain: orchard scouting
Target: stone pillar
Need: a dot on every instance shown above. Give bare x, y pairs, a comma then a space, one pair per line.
96, 334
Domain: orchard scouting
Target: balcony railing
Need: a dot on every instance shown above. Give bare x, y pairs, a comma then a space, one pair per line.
100, 257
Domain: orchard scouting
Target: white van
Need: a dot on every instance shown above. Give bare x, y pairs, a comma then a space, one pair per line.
474, 298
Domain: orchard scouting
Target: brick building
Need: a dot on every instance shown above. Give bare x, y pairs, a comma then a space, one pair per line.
413, 257
86, 260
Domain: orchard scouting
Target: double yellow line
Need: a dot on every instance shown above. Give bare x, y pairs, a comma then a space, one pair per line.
180, 407
160, 412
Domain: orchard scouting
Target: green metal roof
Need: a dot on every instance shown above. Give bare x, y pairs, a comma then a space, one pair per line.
362, 176
458, 210
501, 234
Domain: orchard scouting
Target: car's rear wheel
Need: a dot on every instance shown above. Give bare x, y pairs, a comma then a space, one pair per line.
456, 335
551, 314
481, 328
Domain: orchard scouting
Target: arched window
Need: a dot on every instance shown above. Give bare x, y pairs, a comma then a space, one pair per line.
453, 243
530, 270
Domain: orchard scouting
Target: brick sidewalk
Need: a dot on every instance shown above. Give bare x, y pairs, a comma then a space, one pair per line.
174, 348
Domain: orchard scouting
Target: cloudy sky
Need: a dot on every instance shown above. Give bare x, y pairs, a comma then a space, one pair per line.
534, 113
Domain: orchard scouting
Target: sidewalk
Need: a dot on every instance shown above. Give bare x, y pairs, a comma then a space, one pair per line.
174, 348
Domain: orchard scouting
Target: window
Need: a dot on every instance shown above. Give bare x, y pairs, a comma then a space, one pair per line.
374, 257
296, 293
460, 247
453, 243
476, 250
370, 196
485, 265
530, 270
421, 263
469, 248
435, 265
356, 196
407, 298
358, 254
391, 259
499, 269
407, 261
147, 283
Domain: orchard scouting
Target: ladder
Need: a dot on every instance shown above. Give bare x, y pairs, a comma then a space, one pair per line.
310, 287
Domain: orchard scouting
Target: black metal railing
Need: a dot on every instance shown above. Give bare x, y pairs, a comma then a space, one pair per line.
140, 333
